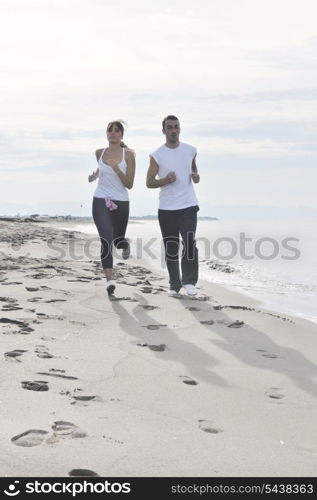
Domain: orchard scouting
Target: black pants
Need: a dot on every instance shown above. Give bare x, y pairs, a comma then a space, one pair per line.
174, 223
111, 226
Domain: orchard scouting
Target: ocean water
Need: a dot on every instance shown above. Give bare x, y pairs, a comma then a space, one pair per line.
274, 261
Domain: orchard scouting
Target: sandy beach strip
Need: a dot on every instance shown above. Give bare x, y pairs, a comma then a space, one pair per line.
144, 384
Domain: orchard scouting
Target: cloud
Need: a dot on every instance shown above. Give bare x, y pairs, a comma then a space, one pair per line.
240, 76
277, 130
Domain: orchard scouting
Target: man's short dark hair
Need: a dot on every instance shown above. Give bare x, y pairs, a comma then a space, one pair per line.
169, 117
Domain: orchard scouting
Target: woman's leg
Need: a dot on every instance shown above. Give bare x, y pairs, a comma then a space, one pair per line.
120, 219
103, 222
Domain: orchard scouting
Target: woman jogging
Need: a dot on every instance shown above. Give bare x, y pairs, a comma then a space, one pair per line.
110, 207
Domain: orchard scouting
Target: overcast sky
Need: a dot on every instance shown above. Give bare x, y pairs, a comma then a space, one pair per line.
241, 76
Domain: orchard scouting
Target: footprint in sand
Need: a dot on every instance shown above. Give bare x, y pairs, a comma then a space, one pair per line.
33, 437
193, 308
148, 307
236, 324
269, 355
63, 429
84, 398
188, 380
26, 329
154, 327
36, 385
207, 322
111, 440
82, 473
243, 308
274, 393
208, 426
31, 289
127, 283
42, 352
160, 347
114, 299
10, 304
14, 354
39, 276
227, 323
9, 307
53, 373
13, 322
55, 300
13, 283
10, 300
81, 280
49, 316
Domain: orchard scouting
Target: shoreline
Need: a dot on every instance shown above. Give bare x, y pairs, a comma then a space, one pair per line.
126, 387
267, 303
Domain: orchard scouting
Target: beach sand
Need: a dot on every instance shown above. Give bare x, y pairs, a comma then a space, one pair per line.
144, 384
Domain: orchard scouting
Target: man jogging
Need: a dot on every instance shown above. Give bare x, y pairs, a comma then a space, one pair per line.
174, 164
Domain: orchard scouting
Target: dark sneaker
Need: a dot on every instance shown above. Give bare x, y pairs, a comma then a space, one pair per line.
126, 252
111, 286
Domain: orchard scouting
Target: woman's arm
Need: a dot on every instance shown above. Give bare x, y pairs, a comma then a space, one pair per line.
128, 178
92, 177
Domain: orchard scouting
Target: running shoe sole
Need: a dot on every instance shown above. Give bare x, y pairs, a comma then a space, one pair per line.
111, 289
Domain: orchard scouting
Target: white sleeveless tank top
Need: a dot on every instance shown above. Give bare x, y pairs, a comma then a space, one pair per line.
109, 183
179, 194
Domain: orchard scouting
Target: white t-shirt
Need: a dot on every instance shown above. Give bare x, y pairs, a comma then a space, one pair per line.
179, 194
109, 183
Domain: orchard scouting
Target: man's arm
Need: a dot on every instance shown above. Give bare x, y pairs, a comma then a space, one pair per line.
152, 172
195, 174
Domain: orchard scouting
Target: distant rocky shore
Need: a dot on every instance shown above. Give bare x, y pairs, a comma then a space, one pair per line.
44, 218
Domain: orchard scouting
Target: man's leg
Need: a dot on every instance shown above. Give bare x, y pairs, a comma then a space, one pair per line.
169, 220
188, 225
